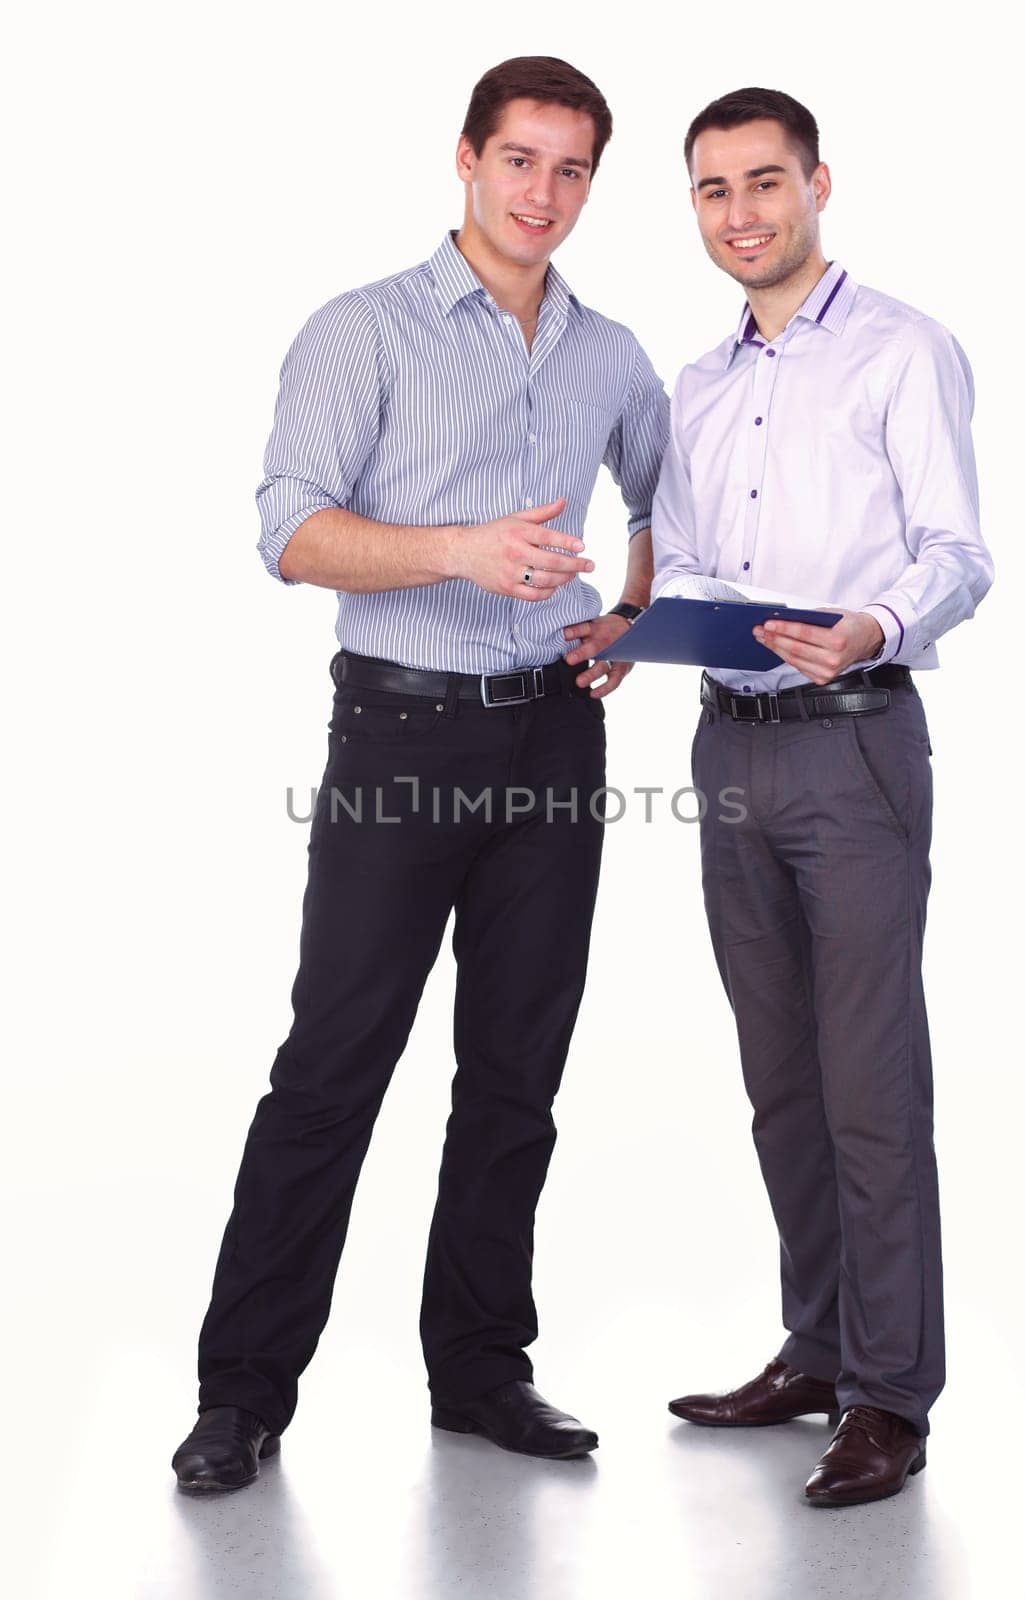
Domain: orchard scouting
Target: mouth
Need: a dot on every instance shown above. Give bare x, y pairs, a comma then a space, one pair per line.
531, 224
750, 244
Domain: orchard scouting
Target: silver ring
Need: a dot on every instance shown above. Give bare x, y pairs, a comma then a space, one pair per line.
528, 576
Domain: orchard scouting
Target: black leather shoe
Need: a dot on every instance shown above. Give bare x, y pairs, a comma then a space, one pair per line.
516, 1417
224, 1450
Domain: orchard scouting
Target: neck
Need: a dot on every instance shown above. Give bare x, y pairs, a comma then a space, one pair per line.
516, 288
773, 307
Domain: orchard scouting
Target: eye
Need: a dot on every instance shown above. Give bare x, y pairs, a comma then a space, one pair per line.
570, 172
766, 183
518, 161
714, 194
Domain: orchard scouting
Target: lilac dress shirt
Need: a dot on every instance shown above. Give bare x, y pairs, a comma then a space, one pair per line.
834, 462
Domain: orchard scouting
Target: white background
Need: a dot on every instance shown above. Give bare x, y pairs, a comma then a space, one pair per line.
188, 183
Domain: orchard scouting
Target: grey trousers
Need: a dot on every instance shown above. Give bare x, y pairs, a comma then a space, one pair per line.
816, 903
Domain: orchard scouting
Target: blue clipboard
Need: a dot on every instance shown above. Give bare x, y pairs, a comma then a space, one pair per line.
708, 633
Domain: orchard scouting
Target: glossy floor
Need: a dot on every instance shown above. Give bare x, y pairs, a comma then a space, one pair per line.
366, 1500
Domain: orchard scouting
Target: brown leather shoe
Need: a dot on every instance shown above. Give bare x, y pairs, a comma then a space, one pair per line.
779, 1394
871, 1455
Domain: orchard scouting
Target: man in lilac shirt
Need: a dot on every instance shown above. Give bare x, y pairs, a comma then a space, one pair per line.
823, 450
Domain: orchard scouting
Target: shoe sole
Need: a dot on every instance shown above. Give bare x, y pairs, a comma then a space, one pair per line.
270, 1447
453, 1422
834, 1501
832, 1417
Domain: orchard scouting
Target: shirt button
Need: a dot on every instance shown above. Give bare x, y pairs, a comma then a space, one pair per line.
768, 352
747, 688
506, 318
440, 706
532, 437
826, 722
528, 503
403, 716
747, 566
758, 422
754, 494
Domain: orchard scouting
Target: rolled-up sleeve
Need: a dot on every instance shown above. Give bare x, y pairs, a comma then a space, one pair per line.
326, 421
638, 441
929, 445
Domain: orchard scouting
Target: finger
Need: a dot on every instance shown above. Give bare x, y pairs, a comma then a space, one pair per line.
542, 513
801, 632
544, 561
542, 581
576, 630
810, 664
614, 679
545, 554
541, 586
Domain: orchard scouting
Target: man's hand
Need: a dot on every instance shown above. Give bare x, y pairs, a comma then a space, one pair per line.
590, 639
498, 555
823, 653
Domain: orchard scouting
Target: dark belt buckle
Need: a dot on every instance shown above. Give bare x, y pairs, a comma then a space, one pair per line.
530, 685
493, 693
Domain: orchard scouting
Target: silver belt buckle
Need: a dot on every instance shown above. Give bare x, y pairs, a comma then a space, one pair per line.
773, 700
507, 700
532, 687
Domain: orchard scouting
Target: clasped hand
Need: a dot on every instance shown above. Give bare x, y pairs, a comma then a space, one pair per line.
823, 653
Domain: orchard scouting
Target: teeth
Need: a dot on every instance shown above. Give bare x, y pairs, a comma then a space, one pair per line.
750, 244
532, 222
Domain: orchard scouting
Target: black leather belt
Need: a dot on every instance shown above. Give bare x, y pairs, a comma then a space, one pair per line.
850, 696
489, 688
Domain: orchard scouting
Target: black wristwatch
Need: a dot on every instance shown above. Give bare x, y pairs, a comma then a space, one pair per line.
625, 609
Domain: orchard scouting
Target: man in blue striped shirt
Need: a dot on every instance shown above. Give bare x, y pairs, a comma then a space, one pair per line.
429, 428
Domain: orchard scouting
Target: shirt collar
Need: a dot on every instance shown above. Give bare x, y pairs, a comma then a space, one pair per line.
827, 306
455, 280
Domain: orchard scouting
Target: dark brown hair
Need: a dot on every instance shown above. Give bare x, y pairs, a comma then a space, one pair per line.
542, 78
750, 105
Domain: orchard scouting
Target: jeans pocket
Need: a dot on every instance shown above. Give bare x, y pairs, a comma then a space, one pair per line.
363, 716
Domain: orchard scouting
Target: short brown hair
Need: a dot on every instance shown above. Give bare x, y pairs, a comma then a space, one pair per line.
543, 78
751, 105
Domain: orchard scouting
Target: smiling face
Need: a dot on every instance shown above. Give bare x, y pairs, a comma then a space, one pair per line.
757, 210
527, 187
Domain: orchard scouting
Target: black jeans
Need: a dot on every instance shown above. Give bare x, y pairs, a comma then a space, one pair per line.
424, 807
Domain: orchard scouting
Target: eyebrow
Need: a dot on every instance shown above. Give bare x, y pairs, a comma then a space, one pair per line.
754, 172
567, 161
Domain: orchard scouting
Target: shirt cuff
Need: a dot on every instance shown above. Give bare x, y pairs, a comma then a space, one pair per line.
893, 631
271, 545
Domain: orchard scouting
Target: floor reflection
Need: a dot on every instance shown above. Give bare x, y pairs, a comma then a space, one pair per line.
491, 1520
258, 1542
753, 1485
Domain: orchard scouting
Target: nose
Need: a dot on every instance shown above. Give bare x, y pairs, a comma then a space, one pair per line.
742, 212
540, 188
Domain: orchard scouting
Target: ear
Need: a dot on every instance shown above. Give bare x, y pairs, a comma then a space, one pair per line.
466, 159
821, 186
694, 198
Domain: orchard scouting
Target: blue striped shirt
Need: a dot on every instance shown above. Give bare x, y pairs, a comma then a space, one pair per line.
415, 401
